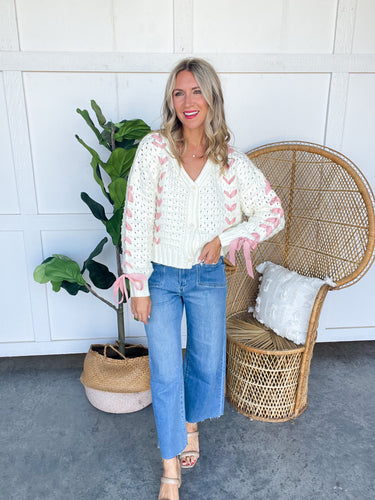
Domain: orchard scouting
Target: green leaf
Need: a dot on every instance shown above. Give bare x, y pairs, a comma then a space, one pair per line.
107, 134
119, 163
131, 129
96, 208
113, 226
127, 144
99, 180
100, 275
94, 154
85, 115
61, 257
97, 250
98, 112
117, 190
96, 163
63, 268
40, 272
73, 288
56, 285
47, 260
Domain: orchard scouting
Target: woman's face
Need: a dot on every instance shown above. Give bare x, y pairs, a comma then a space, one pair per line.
188, 102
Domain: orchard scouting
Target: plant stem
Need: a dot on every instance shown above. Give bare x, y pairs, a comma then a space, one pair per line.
121, 328
100, 298
120, 310
113, 142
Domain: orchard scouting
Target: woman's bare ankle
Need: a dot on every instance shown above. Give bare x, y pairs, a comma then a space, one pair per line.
171, 467
171, 470
191, 427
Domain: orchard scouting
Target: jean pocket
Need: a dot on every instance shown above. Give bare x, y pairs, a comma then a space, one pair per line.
157, 276
212, 274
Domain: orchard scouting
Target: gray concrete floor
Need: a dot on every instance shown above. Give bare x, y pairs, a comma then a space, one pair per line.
56, 446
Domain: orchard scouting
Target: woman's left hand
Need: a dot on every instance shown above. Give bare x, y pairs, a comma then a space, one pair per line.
211, 251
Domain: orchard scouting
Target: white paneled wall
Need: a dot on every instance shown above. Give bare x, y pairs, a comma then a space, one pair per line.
67, 25
16, 314
364, 34
276, 107
96, 26
261, 26
8, 189
60, 162
291, 69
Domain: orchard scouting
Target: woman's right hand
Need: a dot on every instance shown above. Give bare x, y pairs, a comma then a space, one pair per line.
141, 308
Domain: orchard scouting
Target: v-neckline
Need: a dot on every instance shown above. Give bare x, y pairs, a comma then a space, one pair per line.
201, 174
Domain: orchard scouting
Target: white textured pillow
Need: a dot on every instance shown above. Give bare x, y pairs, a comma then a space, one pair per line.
285, 301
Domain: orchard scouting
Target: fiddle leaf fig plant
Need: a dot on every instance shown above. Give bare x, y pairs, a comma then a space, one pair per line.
122, 140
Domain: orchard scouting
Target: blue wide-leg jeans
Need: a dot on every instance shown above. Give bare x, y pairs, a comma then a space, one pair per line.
193, 390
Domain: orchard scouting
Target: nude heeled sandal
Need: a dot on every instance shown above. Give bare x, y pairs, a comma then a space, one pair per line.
170, 480
190, 453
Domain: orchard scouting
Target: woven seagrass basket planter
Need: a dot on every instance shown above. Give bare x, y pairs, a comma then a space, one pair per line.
114, 383
329, 232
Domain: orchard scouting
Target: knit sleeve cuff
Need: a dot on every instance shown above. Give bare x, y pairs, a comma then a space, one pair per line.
134, 292
226, 238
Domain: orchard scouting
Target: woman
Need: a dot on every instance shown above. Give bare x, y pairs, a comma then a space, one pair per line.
187, 194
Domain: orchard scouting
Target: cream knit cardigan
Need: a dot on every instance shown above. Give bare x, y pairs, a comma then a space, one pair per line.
168, 217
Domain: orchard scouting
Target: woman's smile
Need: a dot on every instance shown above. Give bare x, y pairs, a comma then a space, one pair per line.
190, 114
188, 101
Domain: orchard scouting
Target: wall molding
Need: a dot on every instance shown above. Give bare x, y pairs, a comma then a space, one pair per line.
8, 26
338, 92
336, 110
345, 25
104, 62
20, 141
50, 222
183, 26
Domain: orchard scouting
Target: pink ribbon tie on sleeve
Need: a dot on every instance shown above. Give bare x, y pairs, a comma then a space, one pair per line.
120, 285
248, 246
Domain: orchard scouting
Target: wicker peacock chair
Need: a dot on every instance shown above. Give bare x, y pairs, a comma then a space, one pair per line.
329, 232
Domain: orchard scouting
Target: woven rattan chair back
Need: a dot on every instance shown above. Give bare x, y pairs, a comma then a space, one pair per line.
329, 232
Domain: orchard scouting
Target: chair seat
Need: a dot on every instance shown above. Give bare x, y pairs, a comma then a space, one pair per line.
262, 370
246, 330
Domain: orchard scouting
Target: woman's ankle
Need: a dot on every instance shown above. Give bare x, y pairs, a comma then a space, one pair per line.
171, 467
191, 427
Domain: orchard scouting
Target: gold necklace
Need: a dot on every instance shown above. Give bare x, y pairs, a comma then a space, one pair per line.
196, 156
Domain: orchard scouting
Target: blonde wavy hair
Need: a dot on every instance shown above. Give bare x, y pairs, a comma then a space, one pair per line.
217, 133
